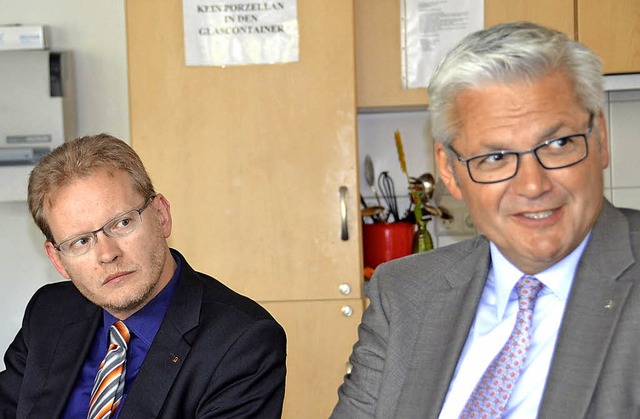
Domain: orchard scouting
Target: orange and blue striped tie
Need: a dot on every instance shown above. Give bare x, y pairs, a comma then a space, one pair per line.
108, 386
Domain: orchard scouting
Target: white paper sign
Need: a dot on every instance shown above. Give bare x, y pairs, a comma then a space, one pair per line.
430, 28
236, 32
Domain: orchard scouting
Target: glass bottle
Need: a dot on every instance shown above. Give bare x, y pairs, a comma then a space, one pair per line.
422, 241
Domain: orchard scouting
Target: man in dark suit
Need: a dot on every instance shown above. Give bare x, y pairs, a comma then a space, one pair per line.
182, 345
539, 315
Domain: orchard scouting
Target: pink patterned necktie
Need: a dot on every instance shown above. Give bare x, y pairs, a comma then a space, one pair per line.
489, 398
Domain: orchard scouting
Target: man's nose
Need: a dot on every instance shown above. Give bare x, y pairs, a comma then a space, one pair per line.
531, 179
107, 248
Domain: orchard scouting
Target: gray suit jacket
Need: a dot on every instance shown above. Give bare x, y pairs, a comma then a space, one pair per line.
422, 308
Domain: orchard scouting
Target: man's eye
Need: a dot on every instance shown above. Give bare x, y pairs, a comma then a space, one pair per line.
491, 159
561, 142
121, 223
81, 242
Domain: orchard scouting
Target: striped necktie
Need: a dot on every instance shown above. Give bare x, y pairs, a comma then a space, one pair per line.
108, 386
489, 398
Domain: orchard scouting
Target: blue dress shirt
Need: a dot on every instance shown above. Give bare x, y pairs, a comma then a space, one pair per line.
494, 321
143, 326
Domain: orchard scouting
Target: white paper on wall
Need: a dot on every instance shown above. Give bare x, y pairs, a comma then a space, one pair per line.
236, 32
430, 28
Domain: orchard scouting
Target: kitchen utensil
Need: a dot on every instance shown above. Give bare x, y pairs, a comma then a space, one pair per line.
424, 185
370, 176
438, 191
436, 210
429, 183
387, 187
372, 211
428, 188
440, 212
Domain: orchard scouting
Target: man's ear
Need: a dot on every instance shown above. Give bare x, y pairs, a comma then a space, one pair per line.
447, 174
601, 126
54, 257
163, 210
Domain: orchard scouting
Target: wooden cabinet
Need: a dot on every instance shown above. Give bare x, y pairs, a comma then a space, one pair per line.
557, 14
252, 159
318, 365
378, 44
612, 30
378, 57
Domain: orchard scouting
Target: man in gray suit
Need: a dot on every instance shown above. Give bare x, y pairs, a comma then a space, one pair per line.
517, 116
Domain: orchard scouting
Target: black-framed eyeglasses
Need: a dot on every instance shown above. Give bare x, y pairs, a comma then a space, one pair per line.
556, 153
119, 226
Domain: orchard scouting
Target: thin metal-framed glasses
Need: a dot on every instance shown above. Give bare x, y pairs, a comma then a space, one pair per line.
119, 226
556, 153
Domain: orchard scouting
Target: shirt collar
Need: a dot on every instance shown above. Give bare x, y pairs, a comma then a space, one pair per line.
557, 278
145, 323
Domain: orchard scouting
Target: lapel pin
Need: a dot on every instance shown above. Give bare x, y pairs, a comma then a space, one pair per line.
175, 358
608, 304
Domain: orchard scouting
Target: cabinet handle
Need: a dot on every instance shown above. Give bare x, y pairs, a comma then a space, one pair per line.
343, 213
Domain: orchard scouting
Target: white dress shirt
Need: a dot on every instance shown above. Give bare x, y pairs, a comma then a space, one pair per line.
495, 318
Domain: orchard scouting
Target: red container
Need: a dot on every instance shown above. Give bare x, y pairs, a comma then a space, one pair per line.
382, 242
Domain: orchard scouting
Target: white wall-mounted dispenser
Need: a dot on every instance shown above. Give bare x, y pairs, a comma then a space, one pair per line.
37, 113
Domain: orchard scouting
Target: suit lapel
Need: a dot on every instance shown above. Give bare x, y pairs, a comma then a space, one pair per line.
67, 357
593, 309
447, 318
168, 350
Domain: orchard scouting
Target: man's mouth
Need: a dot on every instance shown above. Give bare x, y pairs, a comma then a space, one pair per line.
116, 276
540, 215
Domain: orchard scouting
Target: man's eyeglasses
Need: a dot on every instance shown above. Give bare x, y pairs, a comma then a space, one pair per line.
556, 153
120, 226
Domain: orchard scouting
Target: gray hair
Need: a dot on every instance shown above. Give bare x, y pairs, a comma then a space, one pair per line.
509, 52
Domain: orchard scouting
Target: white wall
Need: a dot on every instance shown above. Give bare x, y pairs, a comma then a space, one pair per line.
94, 31
624, 126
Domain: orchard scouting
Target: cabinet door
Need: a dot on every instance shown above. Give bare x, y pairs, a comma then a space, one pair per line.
612, 30
319, 341
557, 14
378, 45
378, 57
252, 157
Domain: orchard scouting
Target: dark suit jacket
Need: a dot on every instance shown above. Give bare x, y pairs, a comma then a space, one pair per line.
216, 354
423, 307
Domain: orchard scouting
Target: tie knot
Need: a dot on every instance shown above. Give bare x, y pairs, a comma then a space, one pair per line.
528, 288
119, 334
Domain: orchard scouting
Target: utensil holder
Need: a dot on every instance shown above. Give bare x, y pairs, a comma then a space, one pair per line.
383, 242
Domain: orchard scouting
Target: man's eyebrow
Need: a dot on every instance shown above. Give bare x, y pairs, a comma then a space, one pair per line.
551, 131
505, 144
